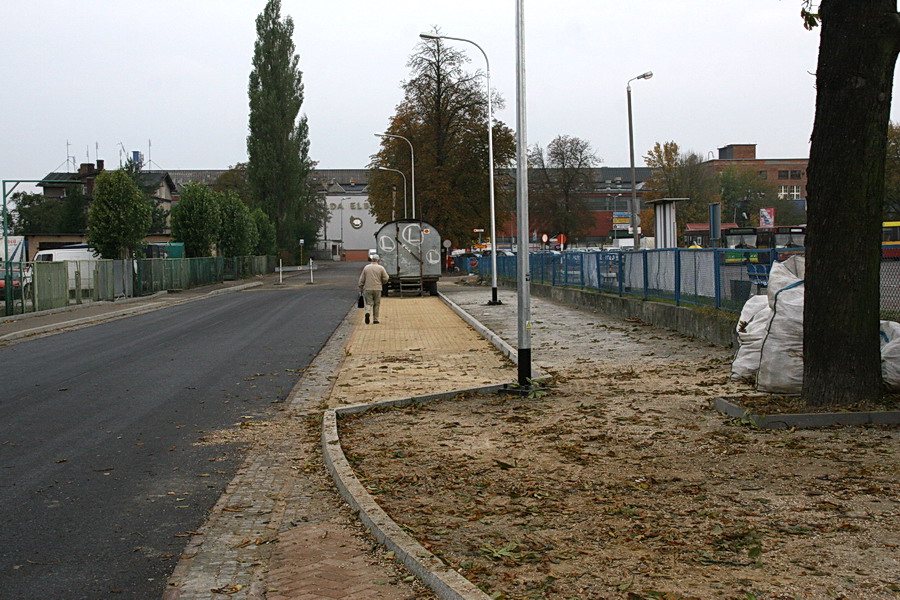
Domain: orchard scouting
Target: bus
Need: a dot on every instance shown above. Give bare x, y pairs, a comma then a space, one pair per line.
890, 240
741, 242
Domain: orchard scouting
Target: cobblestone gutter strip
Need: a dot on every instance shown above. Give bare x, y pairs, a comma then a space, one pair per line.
447, 583
804, 420
236, 542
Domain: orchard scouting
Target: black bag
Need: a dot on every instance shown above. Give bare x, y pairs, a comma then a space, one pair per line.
360, 302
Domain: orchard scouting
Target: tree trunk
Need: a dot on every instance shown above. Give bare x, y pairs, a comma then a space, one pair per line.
854, 80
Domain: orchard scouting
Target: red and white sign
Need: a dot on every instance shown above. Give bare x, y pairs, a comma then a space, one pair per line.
545, 238
767, 217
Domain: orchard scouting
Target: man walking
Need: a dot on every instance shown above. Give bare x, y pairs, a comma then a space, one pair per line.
371, 280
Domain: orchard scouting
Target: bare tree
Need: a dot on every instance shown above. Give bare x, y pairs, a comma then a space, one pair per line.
559, 177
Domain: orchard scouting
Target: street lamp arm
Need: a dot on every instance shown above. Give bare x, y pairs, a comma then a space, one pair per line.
412, 155
429, 36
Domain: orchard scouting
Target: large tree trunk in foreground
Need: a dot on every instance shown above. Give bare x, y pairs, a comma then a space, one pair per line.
854, 80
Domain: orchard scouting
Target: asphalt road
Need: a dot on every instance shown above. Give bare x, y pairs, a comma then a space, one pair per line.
100, 477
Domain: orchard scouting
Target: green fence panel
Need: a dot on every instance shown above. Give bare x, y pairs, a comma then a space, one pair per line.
50, 281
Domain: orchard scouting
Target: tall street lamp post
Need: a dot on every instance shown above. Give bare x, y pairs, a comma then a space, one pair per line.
634, 205
524, 274
490, 128
412, 156
404, 185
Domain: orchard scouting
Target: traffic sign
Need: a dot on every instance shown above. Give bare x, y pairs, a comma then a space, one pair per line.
478, 230
545, 238
561, 238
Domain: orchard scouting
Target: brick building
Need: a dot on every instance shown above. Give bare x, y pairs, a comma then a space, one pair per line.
789, 174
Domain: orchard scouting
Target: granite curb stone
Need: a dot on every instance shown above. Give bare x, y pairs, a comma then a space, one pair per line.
805, 420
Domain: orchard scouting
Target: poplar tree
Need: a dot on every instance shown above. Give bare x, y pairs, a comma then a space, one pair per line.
278, 141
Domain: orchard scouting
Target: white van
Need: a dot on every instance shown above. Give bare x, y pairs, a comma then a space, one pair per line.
74, 258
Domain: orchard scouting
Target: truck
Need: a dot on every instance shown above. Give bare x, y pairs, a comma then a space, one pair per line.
410, 251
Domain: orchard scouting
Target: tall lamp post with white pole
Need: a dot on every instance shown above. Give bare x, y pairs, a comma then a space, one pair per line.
412, 156
490, 128
634, 206
404, 185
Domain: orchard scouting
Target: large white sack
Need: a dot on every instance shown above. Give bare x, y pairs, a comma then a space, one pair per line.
753, 305
890, 354
746, 360
781, 355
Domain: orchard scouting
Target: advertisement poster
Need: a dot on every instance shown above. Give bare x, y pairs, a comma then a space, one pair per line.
767, 217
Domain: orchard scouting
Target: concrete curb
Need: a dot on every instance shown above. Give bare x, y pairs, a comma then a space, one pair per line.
804, 420
53, 311
125, 312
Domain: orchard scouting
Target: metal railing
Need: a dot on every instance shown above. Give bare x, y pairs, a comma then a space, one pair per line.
721, 278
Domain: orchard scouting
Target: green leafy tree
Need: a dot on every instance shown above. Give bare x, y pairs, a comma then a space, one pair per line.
196, 219
743, 193
278, 142
35, 213
237, 231
235, 180
680, 175
444, 115
265, 234
859, 43
559, 177
159, 216
119, 216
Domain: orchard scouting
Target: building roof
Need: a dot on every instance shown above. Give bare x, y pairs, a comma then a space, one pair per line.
56, 177
182, 177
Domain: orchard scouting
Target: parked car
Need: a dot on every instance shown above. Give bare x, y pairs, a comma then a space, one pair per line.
15, 281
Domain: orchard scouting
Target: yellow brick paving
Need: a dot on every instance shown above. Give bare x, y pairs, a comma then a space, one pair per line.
420, 346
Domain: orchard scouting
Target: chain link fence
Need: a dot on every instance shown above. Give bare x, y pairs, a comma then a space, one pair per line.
721, 278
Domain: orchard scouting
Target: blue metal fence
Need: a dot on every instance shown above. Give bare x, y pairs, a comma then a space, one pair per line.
723, 278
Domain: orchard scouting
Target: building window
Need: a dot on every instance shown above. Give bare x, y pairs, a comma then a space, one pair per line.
795, 174
763, 174
782, 174
789, 192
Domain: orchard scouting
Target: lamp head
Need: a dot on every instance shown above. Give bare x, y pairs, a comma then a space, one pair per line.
429, 36
646, 75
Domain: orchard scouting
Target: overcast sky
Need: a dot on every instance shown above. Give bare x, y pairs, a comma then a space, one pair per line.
169, 77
